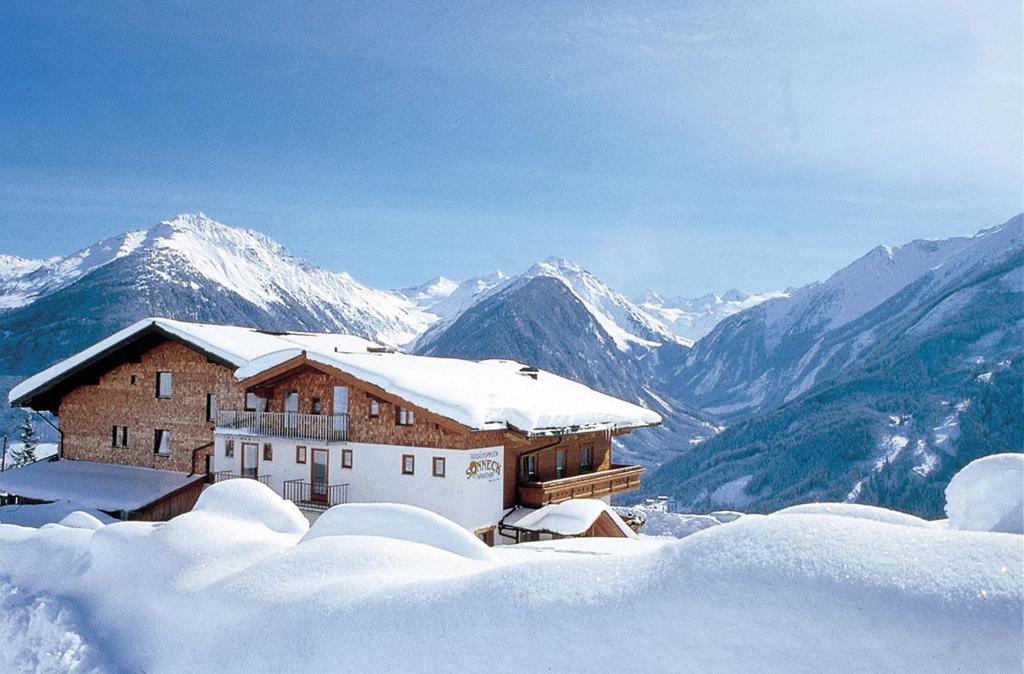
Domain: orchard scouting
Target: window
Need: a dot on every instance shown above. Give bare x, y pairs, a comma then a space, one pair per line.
586, 457
229, 449
254, 403
132, 380
374, 408
346, 458
314, 408
408, 464
163, 384
403, 416
300, 454
211, 406
162, 442
119, 436
268, 452
438, 466
560, 463
530, 467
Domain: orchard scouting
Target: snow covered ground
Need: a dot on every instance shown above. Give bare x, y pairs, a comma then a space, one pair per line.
240, 585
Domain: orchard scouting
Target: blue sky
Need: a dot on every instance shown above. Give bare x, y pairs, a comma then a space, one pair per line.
688, 147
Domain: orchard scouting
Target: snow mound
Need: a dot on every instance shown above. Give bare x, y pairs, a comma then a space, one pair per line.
252, 501
856, 510
402, 522
39, 635
81, 520
988, 495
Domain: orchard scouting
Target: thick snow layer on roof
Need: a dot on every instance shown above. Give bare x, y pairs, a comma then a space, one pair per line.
570, 518
93, 486
233, 344
988, 495
788, 593
58, 512
484, 395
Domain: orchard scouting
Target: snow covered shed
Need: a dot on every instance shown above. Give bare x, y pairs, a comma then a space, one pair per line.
122, 492
576, 518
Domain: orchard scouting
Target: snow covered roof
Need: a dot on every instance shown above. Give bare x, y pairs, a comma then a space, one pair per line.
483, 395
99, 486
570, 518
234, 345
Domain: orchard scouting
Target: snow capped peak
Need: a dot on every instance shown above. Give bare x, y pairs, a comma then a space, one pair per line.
734, 295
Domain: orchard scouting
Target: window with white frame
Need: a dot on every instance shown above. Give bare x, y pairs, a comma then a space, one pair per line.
404, 416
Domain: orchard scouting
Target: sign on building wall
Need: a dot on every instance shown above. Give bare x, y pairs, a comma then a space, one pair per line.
484, 465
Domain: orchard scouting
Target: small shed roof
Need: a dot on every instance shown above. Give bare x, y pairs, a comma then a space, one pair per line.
99, 486
570, 518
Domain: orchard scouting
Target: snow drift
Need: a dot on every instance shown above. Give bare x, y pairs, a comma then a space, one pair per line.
223, 589
988, 495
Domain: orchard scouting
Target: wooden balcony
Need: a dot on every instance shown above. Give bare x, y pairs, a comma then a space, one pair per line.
615, 480
322, 427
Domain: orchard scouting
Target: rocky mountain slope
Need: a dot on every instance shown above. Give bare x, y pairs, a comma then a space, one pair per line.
903, 394
770, 354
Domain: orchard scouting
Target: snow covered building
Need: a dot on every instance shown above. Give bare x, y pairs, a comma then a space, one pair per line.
325, 419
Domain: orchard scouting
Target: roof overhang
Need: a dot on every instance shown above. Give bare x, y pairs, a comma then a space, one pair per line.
46, 389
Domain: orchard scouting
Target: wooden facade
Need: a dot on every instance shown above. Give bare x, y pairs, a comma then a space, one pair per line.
120, 390
126, 396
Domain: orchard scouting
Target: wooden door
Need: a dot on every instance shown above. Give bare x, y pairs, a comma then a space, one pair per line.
318, 476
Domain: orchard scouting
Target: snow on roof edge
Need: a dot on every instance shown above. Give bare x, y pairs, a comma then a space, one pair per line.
39, 380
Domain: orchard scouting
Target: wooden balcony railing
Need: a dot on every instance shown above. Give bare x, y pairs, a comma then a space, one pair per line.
222, 475
615, 480
322, 427
308, 495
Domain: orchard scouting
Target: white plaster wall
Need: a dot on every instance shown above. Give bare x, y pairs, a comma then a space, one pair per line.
471, 497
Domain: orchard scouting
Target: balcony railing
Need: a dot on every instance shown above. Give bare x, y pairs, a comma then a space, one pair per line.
322, 427
223, 475
615, 480
315, 496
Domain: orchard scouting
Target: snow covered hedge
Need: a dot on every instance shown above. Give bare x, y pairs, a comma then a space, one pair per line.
222, 589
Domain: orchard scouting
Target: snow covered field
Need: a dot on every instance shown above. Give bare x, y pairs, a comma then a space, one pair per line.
242, 584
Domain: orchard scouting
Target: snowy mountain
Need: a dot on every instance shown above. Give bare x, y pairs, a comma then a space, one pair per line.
692, 318
191, 268
901, 397
630, 328
775, 351
560, 317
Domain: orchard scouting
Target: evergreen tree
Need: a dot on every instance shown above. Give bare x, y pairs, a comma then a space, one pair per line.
29, 439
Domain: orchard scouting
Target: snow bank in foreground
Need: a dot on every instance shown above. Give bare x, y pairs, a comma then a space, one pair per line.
403, 522
988, 495
39, 635
218, 591
858, 511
